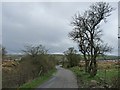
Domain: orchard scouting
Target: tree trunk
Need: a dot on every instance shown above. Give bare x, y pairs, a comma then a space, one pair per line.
86, 69
90, 67
86, 64
93, 68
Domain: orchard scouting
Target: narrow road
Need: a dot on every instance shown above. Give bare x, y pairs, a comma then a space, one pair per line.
62, 79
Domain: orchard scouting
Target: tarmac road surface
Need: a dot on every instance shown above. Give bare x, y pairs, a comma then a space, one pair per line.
62, 79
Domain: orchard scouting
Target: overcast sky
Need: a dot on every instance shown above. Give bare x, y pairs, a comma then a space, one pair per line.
48, 24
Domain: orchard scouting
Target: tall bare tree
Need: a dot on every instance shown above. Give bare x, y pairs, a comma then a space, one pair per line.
87, 33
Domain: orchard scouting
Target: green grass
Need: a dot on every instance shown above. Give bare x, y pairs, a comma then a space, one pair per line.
85, 77
38, 81
108, 75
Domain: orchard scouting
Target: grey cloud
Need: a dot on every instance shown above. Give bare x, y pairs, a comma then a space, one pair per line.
43, 23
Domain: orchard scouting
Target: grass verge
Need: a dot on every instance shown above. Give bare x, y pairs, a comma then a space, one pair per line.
102, 78
38, 81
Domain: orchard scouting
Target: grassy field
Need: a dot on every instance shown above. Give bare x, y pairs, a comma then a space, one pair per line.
38, 81
106, 77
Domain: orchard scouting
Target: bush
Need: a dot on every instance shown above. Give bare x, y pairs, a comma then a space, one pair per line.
72, 57
27, 70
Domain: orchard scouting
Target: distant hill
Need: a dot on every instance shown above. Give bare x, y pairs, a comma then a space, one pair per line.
14, 56
107, 57
60, 57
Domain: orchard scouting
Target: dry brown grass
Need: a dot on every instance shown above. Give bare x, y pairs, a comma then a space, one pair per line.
103, 64
107, 64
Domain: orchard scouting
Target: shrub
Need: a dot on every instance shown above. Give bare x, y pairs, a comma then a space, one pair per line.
27, 70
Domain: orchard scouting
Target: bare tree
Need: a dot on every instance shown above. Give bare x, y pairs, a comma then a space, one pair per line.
87, 33
35, 50
38, 56
4, 52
